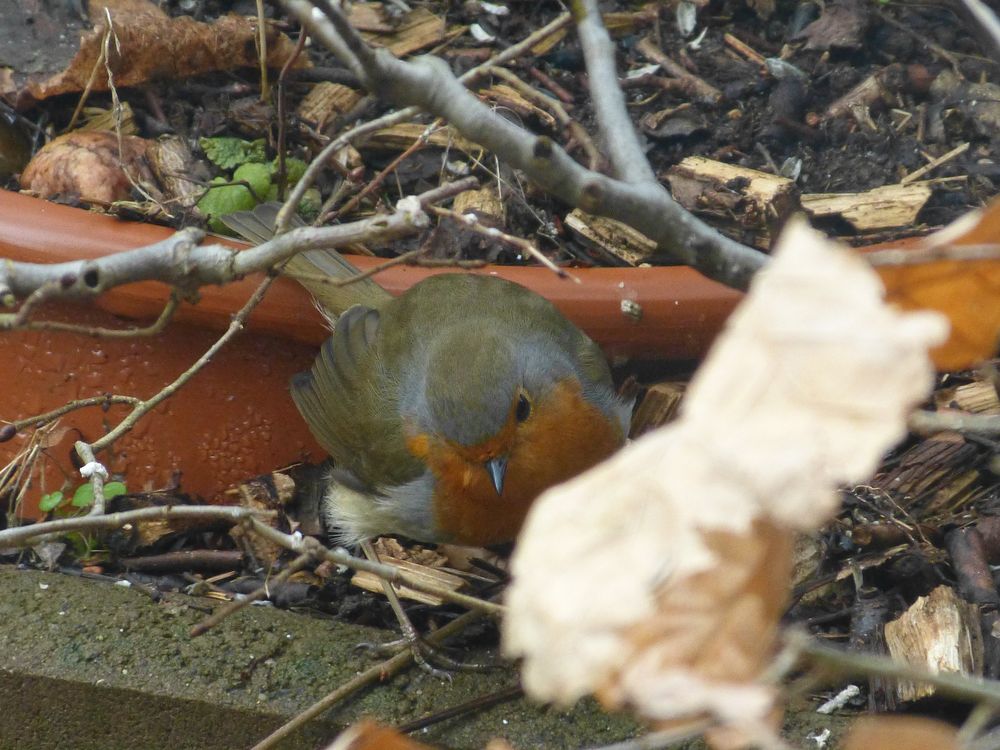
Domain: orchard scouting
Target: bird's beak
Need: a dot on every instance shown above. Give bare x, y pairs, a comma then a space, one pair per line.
497, 468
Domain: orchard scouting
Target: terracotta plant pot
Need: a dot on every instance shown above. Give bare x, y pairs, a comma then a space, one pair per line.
235, 419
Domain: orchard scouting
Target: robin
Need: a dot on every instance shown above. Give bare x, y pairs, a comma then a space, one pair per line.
449, 409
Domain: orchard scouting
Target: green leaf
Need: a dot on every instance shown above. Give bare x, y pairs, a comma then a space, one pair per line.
51, 501
258, 176
222, 200
114, 489
83, 497
311, 203
294, 169
229, 153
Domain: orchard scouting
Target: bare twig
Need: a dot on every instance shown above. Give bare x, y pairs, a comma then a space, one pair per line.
180, 261
624, 150
576, 130
378, 673
96, 472
378, 179
931, 253
469, 221
42, 419
916, 174
153, 329
23, 536
148, 405
838, 661
236, 605
697, 85
930, 422
988, 23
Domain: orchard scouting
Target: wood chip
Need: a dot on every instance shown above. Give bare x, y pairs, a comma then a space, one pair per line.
742, 198
325, 101
620, 240
371, 582
417, 30
939, 632
979, 397
400, 137
884, 207
484, 203
657, 407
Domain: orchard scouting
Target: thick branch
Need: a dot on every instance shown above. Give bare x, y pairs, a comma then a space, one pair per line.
180, 261
428, 83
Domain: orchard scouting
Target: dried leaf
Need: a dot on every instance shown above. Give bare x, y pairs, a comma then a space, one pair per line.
842, 25
367, 735
892, 732
675, 555
152, 45
87, 165
967, 291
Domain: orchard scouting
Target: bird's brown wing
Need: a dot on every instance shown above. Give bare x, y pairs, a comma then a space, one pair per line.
351, 404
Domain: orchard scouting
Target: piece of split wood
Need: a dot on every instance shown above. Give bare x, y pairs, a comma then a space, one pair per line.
939, 632
758, 201
485, 204
657, 407
979, 397
418, 29
325, 101
884, 207
620, 240
401, 136
371, 582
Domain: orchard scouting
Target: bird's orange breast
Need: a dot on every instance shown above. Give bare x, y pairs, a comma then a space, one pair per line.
564, 436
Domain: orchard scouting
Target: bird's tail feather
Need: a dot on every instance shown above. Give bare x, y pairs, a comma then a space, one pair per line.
314, 269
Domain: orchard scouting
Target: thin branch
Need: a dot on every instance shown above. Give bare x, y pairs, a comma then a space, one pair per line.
24, 536
96, 472
180, 261
146, 406
929, 253
471, 222
839, 661
620, 139
378, 673
576, 130
153, 329
236, 605
930, 422
427, 82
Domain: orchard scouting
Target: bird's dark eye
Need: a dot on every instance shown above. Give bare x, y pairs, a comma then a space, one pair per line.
523, 409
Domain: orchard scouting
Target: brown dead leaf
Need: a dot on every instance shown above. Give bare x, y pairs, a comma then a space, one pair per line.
842, 25
367, 735
892, 732
153, 45
85, 165
966, 291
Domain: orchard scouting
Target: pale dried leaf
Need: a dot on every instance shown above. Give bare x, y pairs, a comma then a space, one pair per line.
675, 555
